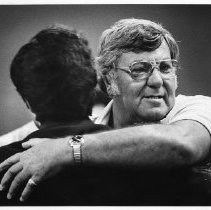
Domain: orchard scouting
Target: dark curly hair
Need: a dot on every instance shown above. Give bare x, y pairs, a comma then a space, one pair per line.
54, 72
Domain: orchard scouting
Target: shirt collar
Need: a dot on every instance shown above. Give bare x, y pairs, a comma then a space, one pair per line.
103, 118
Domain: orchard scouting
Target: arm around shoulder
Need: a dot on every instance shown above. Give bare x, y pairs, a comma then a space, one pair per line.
183, 143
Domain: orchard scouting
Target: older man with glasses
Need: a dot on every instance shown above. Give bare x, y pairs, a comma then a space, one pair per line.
154, 129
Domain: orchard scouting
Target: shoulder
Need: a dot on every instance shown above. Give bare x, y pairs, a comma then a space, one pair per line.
197, 108
184, 100
18, 134
186, 103
197, 103
63, 130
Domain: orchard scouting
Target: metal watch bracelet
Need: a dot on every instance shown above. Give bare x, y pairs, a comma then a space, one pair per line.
76, 142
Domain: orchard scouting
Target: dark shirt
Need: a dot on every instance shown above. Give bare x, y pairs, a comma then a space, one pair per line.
56, 190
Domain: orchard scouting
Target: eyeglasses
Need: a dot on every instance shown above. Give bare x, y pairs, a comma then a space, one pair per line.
140, 70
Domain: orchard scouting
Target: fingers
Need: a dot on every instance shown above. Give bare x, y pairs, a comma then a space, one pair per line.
18, 181
10, 161
28, 189
31, 143
10, 174
27, 145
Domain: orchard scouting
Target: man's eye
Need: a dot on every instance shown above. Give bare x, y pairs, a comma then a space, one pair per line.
139, 68
165, 68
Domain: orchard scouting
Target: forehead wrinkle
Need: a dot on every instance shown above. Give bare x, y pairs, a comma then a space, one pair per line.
163, 52
150, 60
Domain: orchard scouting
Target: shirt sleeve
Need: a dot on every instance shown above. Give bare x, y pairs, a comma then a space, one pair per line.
197, 108
18, 134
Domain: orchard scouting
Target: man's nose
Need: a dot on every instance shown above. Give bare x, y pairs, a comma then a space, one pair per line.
155, 79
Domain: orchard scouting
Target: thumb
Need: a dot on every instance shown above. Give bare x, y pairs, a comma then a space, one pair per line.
31, 143
26, 145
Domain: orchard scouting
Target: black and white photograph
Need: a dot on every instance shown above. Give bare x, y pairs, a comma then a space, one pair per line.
105, 105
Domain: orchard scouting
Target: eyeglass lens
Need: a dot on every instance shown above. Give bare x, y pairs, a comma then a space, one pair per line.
142, 68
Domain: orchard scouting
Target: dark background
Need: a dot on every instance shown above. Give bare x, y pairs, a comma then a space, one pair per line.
190, 25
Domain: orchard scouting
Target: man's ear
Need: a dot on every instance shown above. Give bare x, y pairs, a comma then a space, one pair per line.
27, 103
111, 84
34, 116
176, 82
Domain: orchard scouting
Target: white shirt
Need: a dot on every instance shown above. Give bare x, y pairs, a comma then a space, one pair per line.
197, 108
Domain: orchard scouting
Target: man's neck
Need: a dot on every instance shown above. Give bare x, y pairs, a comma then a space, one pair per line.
48, 124
121, 118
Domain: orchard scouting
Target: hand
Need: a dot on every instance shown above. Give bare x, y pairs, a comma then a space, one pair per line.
37, 163
32, 142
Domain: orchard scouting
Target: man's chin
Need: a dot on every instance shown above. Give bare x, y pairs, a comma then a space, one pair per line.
154, 116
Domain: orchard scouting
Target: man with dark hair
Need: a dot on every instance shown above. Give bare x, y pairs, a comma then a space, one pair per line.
157, 138
45, 72
54, 75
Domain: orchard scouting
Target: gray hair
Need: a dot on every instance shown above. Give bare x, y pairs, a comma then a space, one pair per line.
131, 35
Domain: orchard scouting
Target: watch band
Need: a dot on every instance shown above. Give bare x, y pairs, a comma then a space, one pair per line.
76, 142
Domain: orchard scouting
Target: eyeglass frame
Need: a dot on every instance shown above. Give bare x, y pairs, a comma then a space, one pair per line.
154, 64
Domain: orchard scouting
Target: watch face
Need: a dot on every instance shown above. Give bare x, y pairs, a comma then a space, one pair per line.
77, 138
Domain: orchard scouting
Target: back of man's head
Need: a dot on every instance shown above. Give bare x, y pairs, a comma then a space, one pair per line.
54, 74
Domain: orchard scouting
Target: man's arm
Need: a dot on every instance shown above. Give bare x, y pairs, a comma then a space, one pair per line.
182, 143
152, 146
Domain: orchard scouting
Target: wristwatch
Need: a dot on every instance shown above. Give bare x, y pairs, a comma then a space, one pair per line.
76, 142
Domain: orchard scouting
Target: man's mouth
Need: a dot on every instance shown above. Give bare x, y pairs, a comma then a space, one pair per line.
154, 97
